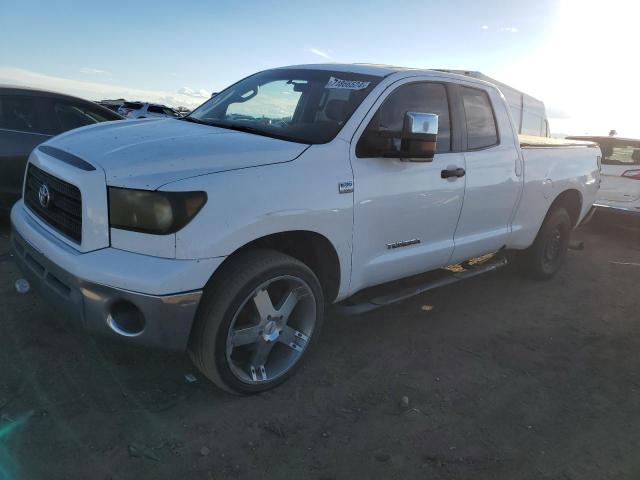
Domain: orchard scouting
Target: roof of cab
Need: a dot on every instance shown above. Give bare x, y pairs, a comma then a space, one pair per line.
386, 70
22, 90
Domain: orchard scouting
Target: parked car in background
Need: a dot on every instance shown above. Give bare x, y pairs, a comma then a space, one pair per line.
225, 232
112, 105
146, 110
620, 187
28, 117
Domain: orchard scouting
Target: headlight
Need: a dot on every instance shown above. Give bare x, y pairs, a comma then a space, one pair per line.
153, 212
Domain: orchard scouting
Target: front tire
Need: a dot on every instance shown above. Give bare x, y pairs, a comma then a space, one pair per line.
258, 318
547, 254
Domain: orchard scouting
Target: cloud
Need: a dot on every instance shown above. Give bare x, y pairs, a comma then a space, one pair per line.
202, 93
509, 29
320, 53
92, 71
555, 112
485, 27
94, 90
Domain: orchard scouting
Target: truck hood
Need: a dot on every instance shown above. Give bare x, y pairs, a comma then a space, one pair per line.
149, 153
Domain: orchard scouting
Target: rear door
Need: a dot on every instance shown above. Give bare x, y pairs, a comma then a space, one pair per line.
493, 173
620, 175
21, 129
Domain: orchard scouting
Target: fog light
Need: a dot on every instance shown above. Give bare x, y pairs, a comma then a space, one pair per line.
22, 286
126, 319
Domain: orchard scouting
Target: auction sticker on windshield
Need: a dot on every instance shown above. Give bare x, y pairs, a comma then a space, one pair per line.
346, 84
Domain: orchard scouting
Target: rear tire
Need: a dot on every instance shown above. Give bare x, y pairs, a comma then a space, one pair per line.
543, 259
258, 318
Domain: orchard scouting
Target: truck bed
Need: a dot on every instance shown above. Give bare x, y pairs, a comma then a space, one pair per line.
530, 141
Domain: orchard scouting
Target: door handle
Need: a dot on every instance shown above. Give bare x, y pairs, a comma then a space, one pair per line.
454, 172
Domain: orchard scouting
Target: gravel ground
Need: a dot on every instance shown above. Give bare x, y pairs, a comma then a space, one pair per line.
506, 378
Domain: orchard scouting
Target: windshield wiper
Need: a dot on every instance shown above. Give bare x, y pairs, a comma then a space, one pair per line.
195, 120
242, 128
254, 130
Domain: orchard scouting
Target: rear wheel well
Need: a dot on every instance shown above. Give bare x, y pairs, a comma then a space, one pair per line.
312, 249
571, 201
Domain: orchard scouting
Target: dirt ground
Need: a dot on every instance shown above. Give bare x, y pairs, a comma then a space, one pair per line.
507, 378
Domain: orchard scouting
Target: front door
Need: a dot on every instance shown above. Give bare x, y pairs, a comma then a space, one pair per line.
405, 214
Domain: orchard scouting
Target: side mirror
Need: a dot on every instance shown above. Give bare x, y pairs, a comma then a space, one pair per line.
419, 136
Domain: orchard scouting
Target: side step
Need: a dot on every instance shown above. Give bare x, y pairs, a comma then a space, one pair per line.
454, 276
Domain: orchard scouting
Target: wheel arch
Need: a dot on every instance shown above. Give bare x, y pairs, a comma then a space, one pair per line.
311, 248
571, 201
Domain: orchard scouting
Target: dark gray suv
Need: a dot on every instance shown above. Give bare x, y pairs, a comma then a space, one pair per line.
29, 117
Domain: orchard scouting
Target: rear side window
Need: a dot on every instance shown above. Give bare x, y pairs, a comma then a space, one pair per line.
132, 105
155, 109
70, 116
18, 113
424, 97
481, 124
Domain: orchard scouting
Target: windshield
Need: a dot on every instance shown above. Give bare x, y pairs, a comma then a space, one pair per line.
300, 105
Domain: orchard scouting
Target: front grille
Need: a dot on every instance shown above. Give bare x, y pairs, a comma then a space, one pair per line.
64, 210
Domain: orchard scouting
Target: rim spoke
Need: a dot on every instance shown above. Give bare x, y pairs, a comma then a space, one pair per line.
289, 303
260, 357
245, 336
293, 339
263, 304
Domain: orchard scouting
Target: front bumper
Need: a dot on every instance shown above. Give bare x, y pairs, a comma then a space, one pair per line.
167, 319
67, 279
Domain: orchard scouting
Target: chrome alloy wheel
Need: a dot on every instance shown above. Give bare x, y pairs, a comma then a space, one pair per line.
271, 330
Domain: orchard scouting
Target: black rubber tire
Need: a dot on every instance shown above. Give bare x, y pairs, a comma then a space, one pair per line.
223, 296
532, 261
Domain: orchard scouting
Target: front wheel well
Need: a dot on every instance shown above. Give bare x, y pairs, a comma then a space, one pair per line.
311, 248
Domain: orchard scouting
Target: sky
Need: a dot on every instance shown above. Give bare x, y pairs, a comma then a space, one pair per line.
577, 56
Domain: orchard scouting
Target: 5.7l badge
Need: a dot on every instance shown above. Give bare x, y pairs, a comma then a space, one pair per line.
345, 187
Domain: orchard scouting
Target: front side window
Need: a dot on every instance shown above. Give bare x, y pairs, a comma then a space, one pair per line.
18, 113
70, 116
385, 128
299, 105
481, 124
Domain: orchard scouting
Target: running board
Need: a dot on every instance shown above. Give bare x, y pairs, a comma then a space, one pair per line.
403, 294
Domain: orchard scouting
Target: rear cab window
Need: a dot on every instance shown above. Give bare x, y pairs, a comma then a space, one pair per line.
480, 119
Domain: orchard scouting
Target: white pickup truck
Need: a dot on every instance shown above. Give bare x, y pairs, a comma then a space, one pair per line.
226, 232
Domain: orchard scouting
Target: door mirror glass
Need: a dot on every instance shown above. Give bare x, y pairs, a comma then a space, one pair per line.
419, 135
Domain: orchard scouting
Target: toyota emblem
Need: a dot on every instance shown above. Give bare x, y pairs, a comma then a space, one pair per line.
44, 196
